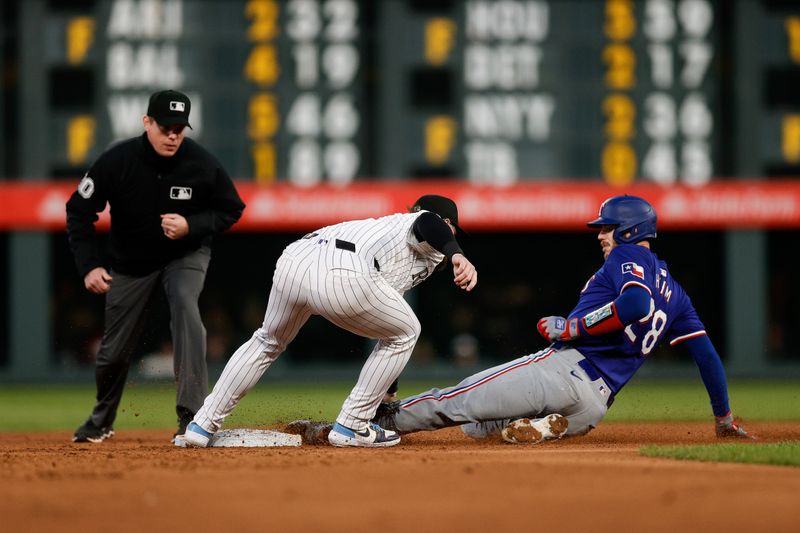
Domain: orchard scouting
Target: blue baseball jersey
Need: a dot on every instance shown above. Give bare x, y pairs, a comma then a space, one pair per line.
672, 317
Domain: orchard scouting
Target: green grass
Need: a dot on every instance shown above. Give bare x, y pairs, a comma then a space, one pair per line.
781, 453
645, 401
62, 407
26, 408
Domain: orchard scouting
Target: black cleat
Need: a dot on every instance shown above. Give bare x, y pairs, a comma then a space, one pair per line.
88, 432
185, 416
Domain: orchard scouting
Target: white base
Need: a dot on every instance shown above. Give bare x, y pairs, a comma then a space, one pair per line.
248, 438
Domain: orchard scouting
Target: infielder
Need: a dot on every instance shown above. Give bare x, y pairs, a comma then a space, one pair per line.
354, 274
627, 308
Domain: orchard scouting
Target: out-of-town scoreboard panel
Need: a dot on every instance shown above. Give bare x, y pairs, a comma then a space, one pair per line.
496, 92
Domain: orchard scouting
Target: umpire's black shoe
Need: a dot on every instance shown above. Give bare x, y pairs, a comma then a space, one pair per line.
185, 416
88, 432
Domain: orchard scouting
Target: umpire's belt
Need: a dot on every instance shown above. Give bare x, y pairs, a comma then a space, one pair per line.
594, 375
350, 247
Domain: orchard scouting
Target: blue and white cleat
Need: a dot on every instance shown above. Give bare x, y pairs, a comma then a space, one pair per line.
196, 437
373, 436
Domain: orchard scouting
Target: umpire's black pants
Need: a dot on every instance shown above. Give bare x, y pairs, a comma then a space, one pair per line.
126, 303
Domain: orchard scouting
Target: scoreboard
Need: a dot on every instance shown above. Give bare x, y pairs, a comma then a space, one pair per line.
493, 92
569, 88
276, 87
777, 67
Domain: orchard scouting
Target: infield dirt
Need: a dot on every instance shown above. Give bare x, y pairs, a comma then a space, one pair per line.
437, 482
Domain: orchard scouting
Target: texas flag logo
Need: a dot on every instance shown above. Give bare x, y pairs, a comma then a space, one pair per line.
633, 268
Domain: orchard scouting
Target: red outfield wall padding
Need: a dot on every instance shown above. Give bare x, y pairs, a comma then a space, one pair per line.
523, 207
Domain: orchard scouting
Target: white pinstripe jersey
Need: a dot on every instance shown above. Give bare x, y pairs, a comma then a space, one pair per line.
404, 261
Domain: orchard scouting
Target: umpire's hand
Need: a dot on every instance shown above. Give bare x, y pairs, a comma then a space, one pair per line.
174, 226
96, 280
464, 272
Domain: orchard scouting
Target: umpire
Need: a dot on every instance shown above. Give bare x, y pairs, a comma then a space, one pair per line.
167, 197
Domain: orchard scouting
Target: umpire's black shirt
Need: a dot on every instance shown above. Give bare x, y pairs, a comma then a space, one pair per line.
140, 186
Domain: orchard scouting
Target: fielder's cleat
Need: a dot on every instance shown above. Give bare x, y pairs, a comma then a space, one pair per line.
89, 432
529, 431
195, 436
373, 436
315, 433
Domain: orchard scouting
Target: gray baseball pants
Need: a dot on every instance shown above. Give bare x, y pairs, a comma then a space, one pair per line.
126, 305
532, 386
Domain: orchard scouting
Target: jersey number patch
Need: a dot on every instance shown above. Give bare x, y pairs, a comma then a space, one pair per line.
657, 325
86, 187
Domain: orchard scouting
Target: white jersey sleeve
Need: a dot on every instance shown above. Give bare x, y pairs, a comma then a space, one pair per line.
389, 245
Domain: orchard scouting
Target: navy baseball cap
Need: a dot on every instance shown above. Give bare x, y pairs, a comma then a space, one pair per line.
170, 108
441, 205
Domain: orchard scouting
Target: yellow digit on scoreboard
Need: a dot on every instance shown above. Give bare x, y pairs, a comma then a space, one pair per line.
620, 112
619, 163
262, 65
264, 162
264, 14
791, 138
439, 40
621, 62
793, 34
620, 22
79, 37
440, 137
80, 138
263, 116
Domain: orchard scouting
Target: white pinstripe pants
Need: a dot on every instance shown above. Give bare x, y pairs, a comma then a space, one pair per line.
309, 280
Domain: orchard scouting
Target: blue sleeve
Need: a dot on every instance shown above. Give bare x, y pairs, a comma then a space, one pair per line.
632, 304
712, 372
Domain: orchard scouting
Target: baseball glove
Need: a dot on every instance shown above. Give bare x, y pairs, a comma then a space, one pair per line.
311, 432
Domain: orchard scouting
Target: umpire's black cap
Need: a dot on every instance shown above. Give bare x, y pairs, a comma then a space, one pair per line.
442, 206
170, 108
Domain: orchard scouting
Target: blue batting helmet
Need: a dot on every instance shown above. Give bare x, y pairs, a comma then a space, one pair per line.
634, 218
